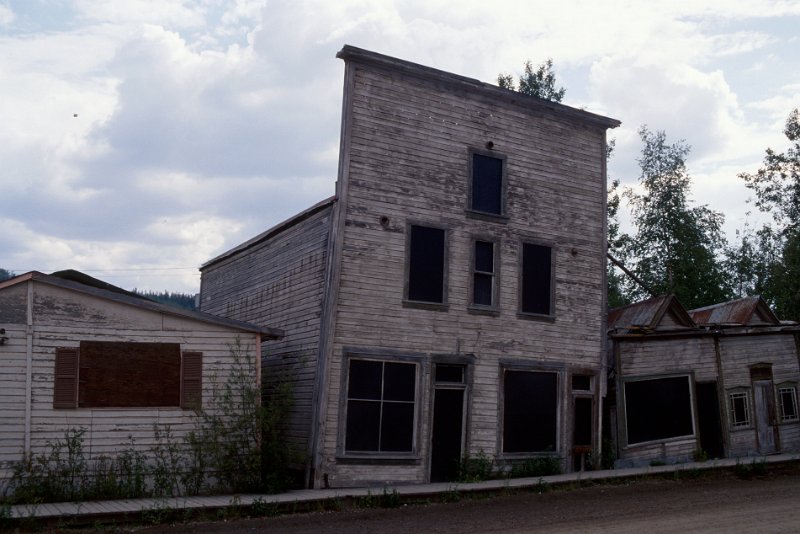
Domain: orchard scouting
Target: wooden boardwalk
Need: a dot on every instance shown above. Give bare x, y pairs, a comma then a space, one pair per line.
84, 512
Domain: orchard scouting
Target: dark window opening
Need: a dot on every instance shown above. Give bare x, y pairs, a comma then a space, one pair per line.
453, 374
536, 279
380, 406
581, 382
487, 184
483, 276
530, 411
656, 409
761, 372
426, 266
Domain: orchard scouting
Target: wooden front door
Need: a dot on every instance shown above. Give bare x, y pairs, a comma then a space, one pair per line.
765, 416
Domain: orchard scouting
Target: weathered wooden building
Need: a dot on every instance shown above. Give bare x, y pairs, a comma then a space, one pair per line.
84, 354
721, 380
449, 300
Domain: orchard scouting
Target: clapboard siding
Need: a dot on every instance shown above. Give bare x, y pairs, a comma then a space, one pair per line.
63, 317
407, 136
279, 282
408, 142
741, 352
12, 391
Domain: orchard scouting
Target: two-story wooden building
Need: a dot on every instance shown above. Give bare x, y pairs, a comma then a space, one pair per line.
449, 300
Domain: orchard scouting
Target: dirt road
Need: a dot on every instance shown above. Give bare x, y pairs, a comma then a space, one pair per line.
717, 503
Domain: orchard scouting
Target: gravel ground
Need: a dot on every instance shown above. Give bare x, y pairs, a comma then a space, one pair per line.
712, 502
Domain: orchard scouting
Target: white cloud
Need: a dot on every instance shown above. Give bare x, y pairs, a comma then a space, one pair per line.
6, 15
174, 13
201, 123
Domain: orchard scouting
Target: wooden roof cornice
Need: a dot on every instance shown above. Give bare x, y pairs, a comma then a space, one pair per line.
359, 55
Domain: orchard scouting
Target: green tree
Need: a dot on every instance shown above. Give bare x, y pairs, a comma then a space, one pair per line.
617, 244
777, 188
749, 261
6, 274
540, 83
677, 247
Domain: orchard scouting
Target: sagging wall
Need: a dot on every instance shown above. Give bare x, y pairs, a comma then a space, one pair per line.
730, 359
408, 141
61, 318
653, 359
279, 281
776, 352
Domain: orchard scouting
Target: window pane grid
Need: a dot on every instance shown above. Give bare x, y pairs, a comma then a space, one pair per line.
788, 404
740, 409
483, 276
382, 422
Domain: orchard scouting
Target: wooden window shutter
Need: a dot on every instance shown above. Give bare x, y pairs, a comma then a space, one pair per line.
191, 380
65, 378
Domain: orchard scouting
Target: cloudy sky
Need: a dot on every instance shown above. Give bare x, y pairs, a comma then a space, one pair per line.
141, 138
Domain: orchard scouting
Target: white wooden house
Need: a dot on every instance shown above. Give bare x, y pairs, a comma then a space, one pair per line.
450, 299
88, 355
721, 379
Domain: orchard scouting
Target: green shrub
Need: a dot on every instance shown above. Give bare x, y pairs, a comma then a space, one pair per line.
236, 445
476, 468
536, 467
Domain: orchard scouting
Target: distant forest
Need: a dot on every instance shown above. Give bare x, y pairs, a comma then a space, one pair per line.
182, 300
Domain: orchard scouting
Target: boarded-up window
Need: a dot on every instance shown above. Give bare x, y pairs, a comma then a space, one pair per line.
426, 264
537, 279
380, 406
487, 184
530, 411
125, 375
659, 408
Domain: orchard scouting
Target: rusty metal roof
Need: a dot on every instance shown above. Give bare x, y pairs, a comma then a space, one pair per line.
741, 312
649, 314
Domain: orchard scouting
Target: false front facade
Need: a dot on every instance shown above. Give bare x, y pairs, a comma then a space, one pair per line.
449, 300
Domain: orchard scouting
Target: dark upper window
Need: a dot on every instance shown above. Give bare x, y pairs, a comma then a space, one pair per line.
426, 264
483, 274
105, 374
380, 406
486, 187
537, 279
530, 411
659, 408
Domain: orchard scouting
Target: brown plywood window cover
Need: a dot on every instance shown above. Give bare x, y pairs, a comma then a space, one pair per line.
123, 375
109, 374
